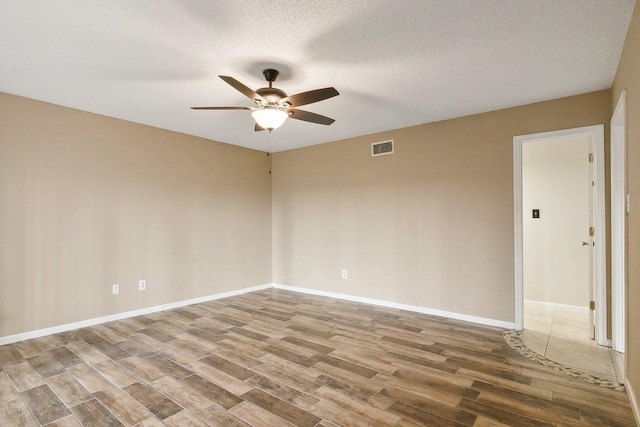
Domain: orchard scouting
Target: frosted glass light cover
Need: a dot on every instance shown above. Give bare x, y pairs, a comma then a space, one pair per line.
269, 117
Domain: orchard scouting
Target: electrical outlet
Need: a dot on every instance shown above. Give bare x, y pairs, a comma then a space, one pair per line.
344, 274
115, 289
142, 285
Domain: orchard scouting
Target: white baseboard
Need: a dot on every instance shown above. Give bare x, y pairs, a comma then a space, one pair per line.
555, 306
119, 316
633, 399
415, 308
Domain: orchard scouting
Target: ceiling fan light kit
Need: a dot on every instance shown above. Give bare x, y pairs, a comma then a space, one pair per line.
273, 106
269, 118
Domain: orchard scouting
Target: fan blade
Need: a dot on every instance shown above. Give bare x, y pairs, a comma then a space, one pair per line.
220, 108
249, 93
309, 117
258, 128
310, 97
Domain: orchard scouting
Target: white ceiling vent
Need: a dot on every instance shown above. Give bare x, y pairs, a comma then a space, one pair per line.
382, 148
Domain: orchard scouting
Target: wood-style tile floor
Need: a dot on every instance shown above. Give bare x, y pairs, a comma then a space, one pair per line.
277, 358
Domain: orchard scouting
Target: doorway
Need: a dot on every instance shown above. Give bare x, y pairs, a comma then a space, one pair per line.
593, 237
557, 198
557, 216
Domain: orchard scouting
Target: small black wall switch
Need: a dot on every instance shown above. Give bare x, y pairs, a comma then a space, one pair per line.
535, 213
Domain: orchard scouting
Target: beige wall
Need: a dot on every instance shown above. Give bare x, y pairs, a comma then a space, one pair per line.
431, 225
555, 180
628, 77
87, 201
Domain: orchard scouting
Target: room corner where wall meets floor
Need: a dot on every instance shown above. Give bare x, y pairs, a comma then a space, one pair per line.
155, 309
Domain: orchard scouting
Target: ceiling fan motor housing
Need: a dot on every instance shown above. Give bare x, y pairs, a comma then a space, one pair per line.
271, 94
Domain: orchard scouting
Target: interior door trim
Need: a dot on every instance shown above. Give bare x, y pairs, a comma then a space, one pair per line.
600, 269
618, 225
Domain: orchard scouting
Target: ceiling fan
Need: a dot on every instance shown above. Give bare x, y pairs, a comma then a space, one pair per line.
273, 105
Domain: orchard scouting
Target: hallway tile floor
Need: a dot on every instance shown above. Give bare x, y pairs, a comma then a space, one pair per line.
563, 336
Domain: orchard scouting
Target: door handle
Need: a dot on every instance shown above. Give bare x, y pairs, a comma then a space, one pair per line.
584, 243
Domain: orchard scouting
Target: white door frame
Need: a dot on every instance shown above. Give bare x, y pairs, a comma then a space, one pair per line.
618, 218
597, 133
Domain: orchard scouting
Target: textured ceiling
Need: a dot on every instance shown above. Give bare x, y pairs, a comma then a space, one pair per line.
395, 64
